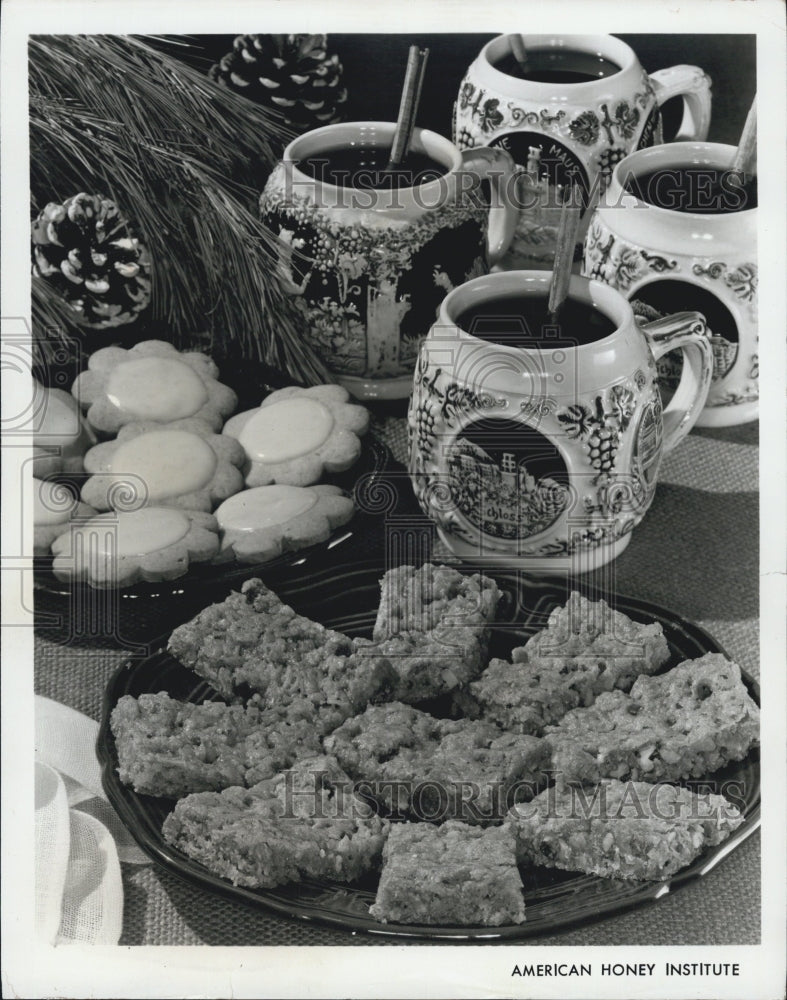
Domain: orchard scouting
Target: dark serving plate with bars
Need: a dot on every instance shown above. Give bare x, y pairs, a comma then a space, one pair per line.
346, 598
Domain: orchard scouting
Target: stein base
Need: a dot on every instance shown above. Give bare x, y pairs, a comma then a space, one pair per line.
729, 416
584, 561
398, 387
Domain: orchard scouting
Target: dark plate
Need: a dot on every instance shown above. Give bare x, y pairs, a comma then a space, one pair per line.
346, 599
360, 480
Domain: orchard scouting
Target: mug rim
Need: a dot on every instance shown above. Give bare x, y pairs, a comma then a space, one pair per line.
590, 292
424, 136
608, 46
672, 154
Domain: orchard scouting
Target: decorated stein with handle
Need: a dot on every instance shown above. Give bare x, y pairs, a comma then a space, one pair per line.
370, 251
567, 114
677, 229
537, 444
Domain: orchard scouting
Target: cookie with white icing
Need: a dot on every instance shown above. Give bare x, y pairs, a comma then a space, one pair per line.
119, 548
262, 523
151, 381
61, 433
182, 464
296, 435
55, 507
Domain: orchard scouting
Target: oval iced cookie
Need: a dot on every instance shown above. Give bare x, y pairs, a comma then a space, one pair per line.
55, 507
151, 382
182, 464
119, 548
261, 523
296, 435
61, 434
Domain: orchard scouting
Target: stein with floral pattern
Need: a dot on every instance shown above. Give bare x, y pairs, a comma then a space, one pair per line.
576, 107
692, 245
369, 258
542, 452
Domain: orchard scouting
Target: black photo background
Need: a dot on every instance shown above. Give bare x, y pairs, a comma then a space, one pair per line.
374, 69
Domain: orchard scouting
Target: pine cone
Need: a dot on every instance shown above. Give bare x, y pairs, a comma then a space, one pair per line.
291, 73
85, 249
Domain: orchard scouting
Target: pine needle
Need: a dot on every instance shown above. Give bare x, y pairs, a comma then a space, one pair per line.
185, 161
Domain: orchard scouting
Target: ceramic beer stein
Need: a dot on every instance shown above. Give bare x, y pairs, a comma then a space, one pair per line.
370, 254
581, 103
538, 445
668, 239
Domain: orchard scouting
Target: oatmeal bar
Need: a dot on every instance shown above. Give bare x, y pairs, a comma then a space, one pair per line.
586, 648
253, 643
428, 664
303, 823
433, 627
631, 830
437, 769
419, 600
171, 748
452, 874
685, 723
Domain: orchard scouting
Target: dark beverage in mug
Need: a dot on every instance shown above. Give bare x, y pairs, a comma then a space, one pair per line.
524, 322
363, 167
558, 65
697, 189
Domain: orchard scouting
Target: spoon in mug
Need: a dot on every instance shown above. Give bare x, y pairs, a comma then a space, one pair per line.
744, 163
564, 254
518, 51
408, 107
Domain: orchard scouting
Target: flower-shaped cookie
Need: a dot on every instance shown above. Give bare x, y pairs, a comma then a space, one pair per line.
259, 524
62, 435
55, 507
121, 547
152, 381
296, 434
182, 464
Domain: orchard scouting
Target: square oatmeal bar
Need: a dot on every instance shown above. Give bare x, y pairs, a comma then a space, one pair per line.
170, 748
437, 769
421, 599
452, 874
428, 664
685, 723
254, 645
586, 649
306, 822
616, 829
432, 626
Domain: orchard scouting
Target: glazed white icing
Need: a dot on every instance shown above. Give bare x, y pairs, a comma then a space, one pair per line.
133, 533
286, 429
156, 388
264, 507
170, 463
61, 423
51, 503
233, 427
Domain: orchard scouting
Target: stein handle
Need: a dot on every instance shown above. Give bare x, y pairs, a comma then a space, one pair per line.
498, 167
693, 85
689, 332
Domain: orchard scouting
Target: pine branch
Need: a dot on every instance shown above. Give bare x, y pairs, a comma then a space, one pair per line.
184, 159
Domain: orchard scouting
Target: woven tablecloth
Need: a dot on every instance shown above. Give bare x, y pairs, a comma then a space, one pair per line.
696, 553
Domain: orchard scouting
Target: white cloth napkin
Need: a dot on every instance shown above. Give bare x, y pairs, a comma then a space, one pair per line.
80, 840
